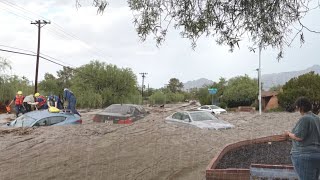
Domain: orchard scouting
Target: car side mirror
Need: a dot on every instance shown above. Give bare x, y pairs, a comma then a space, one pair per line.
8, 123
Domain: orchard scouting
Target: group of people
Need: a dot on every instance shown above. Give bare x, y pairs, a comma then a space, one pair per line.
24, 104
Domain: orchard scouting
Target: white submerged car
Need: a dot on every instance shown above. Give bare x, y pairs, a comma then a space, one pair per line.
200, 119
213, 109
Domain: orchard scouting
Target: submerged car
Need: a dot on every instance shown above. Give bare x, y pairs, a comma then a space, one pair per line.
121, 114
200, 119
213, 109
45, 118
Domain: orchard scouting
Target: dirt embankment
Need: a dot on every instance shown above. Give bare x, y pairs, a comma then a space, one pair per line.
147, 149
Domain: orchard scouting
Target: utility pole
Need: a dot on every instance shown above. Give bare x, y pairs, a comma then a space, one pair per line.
143, 76
39, 24
259, 80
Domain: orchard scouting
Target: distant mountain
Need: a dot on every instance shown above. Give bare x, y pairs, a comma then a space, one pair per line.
270, 80
196, 83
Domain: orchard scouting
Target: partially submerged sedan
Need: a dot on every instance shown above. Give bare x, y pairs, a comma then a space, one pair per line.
45, 118
121, 114
200, 119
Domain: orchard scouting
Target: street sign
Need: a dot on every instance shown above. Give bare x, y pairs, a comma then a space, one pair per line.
213, 90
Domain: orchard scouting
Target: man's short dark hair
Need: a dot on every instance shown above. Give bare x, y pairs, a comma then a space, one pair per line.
304, 104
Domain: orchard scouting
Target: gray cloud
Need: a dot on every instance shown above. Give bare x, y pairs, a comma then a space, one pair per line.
115, 41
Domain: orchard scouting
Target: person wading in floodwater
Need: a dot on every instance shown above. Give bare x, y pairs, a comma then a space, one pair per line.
69, 96
18, 101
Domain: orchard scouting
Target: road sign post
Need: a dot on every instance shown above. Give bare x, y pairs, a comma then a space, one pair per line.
212, 91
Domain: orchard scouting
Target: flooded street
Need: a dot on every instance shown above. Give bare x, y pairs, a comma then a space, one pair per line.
147, 149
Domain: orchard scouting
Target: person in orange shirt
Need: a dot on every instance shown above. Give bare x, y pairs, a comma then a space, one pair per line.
18, 100
41, 102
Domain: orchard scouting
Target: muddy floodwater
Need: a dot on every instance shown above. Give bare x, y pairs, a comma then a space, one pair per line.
147, 149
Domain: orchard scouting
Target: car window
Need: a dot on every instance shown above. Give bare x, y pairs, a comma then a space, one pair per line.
204, 107
136, 112
56, 119
42, 122
201, 116
121, 109
141, 109
214, 107
23, 120
177, 116
185, 116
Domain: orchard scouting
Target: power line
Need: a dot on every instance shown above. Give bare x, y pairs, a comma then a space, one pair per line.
17, 48
49, 60
42, 55
55, 29
28, 54
16, 14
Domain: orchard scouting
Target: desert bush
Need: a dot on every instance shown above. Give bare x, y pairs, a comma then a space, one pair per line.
307, 85
157, 98
174, 97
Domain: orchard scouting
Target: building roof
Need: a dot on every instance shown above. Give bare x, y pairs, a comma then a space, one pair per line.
269, 93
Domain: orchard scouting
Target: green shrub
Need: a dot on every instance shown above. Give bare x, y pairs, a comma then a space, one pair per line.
174, 97
223, 105
157, 98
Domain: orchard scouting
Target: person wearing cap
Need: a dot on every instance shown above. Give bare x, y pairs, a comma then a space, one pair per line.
27, 102
41, 101
18, 101
69, 96
54, 101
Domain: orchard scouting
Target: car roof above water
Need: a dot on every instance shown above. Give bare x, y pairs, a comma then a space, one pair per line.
193, 111
45, 113
126, 106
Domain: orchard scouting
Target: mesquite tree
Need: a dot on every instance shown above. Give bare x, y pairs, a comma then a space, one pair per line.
307, 85
269, 23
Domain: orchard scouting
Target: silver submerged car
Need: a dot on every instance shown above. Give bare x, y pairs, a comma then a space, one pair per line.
200, 119
45, 118
121, 114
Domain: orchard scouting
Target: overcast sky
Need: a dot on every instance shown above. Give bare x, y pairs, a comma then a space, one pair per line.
76, 36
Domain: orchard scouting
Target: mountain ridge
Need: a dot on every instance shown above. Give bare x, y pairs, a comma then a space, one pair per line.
268, 80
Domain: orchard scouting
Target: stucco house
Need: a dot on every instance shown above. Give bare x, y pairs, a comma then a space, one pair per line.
269, 100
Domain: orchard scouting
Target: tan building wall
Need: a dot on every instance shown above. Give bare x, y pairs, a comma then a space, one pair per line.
272, 104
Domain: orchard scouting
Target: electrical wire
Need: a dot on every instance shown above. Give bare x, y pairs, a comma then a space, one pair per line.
15, 52
16, 48
54, 62
57, 30
40, 54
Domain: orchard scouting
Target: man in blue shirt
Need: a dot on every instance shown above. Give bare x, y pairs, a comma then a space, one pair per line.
69, 96
54, 101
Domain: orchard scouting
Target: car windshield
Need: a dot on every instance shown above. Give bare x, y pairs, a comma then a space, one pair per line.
23, 120
202, 116
214, 107
121, 109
